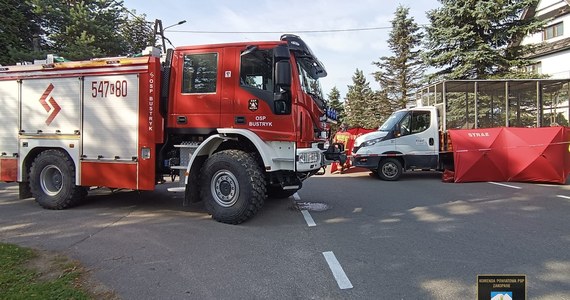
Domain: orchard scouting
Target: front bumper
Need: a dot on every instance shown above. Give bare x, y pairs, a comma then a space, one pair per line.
366, 161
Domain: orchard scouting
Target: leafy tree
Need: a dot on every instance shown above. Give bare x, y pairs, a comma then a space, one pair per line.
400, 74
137, 33
75, 29
360, 110
469, 39
82, 29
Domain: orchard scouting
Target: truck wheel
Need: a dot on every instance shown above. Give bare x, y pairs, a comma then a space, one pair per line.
390, 169
232, 186
52, 181
279, 193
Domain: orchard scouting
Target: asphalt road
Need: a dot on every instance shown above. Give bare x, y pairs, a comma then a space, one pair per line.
360, 238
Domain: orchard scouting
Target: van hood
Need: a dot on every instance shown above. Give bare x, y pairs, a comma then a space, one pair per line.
369, 136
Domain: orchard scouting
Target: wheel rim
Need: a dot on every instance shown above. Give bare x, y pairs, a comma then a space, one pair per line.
225, 188
390, 170
51, 180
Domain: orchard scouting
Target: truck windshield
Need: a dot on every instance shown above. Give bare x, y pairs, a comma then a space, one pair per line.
392, 121
310, 83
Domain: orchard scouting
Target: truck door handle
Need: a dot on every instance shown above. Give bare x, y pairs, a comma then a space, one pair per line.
181, 120
431, 141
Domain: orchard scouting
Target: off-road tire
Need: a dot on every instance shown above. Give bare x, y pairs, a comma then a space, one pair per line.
390, 169
232, 186
52, 181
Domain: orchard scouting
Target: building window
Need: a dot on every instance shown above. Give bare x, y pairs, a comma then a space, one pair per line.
200, 73
553, 31
535, 68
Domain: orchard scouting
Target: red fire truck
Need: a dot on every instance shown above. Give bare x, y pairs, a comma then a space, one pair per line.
240, 121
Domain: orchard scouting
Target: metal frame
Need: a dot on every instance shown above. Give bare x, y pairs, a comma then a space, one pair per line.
519, 91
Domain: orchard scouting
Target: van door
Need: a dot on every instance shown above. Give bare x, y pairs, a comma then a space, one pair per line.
417, 141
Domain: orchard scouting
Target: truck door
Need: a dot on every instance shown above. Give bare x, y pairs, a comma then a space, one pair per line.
198, 92
417, 140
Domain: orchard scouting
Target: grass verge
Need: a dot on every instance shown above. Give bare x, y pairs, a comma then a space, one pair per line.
32, 274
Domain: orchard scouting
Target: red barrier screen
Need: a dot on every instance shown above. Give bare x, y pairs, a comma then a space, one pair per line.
511, 154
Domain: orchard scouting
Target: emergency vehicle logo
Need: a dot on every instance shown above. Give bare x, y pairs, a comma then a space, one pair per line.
47, 107
253, 104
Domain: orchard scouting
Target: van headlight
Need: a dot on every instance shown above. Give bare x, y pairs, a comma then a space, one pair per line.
371, 142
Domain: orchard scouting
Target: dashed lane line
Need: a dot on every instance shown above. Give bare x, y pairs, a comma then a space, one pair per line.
562, 196
296, 196
506, 185
337, 270
306, 214
308, 218
338, 273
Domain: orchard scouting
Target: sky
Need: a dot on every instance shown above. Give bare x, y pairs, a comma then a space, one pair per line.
341, 52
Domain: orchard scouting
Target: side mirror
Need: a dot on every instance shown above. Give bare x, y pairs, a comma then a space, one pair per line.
283, 74
281, 52
338, 147
282, 97
282, 102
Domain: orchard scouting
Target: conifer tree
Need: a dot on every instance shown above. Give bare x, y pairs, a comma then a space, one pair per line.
82, 29
400, 74
360, 109
75, 29
336, 104
19, 32
469, 39
137, 33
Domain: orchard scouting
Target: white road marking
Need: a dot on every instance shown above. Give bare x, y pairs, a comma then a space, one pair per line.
306, 214
338, 273
562, 196
308, 218
506, 185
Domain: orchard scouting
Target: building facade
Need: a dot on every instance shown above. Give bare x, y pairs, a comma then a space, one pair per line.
553, 54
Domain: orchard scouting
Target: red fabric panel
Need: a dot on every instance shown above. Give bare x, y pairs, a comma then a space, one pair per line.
478, 155
511, 154
536, 154
567, 146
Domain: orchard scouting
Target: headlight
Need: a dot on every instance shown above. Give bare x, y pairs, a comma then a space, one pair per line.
371, 142
309, 157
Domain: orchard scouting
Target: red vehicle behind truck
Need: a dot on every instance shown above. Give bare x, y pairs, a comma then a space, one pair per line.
242, 121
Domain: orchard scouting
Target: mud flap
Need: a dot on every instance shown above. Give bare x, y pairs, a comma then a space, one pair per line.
192, 190
24, 190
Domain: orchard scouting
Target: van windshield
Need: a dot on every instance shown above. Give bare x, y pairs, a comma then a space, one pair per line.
392, 121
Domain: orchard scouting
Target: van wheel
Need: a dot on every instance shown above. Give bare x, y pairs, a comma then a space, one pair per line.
233, 186
390, 169
52, 181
